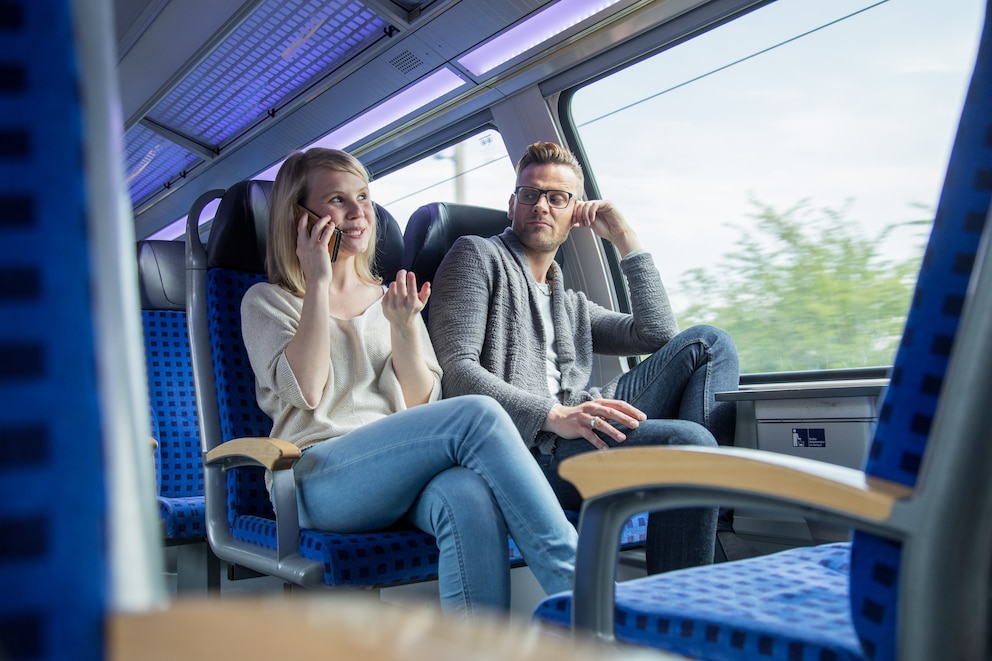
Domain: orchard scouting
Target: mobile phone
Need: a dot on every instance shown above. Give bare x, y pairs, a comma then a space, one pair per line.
313, 216
337, 233
337, 244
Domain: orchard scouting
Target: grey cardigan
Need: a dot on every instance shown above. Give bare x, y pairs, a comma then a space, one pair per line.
486, 328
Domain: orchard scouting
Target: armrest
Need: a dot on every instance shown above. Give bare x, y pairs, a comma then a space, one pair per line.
740, 470
278, 456
271, 453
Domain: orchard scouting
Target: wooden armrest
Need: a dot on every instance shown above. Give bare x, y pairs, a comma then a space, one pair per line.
271, 453
737, 469
154, 443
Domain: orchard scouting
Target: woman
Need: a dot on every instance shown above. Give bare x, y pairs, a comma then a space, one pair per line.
346, 370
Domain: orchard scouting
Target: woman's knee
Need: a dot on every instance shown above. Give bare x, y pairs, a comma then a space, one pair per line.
484, 407
460, 497
488, 416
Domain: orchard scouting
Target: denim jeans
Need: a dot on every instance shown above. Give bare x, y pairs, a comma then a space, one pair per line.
675, 388
456, 469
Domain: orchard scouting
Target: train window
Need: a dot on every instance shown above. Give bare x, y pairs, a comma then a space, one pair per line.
474, 171
784, 168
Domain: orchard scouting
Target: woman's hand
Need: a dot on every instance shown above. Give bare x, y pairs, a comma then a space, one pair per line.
403, 301
312, 249
309, 351
401, 304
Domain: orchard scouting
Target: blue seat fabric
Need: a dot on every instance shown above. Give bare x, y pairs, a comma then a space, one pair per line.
775, 606
178, 467
718, 611
903, 429
54, 567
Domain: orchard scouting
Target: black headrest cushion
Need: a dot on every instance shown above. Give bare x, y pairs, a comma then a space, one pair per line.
388, 245
162, 275
240, 228
434, 227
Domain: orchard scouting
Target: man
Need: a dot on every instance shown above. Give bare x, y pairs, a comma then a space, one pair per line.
504, 325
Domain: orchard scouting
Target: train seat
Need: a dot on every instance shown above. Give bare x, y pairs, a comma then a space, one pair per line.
172, 403
429, 234
433, 227
913, 583
242, 526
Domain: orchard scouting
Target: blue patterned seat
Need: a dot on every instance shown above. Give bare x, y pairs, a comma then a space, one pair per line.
914, 581
178, 469
172, 403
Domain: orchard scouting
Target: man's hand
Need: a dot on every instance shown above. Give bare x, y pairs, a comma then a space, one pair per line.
605, 220
584, 420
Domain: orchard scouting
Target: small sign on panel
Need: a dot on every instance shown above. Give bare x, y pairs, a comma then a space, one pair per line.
804, 437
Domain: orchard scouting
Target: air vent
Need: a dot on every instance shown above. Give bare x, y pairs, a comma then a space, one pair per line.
406, 62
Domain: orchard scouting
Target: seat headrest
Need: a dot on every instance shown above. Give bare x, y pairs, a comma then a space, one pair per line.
162, 275
433, 228
240, 229
389, 256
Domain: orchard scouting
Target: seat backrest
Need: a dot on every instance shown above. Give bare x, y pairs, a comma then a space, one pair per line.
433, 228
904, 439
169, 368
235, 260
53, 562
77, 535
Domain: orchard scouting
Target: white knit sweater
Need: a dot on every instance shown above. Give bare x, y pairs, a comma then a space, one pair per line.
361, 387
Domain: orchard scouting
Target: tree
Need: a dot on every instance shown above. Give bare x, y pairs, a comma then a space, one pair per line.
805, 290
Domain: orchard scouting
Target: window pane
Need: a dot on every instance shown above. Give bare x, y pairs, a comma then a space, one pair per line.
475, 171
785, 168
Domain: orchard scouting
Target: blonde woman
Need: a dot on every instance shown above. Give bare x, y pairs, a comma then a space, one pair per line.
345, 368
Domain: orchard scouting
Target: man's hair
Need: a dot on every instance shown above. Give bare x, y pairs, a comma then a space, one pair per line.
289, 190
551, 153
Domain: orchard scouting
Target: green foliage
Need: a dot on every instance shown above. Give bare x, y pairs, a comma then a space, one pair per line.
805, 290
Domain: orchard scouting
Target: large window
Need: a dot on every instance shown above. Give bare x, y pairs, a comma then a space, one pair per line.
784, 169
474, 171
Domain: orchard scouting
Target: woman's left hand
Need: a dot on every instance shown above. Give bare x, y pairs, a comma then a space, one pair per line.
403, 301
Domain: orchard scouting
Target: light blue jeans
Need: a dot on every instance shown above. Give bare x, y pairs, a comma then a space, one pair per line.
675, 388
456, 469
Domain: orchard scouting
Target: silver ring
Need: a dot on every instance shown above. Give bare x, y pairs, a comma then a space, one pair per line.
592, 423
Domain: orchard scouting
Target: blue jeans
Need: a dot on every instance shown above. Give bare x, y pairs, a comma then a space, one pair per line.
675, 388
456, 469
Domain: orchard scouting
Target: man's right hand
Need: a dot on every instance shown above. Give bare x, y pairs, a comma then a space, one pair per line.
584, 420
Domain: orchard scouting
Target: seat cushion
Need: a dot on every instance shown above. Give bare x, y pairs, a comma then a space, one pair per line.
374, 559
386, 557
184, 518
787, 605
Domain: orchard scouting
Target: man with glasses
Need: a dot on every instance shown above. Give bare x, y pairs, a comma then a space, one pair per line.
503, 325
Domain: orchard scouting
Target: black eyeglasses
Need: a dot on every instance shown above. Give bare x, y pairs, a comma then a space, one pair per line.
557, 199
